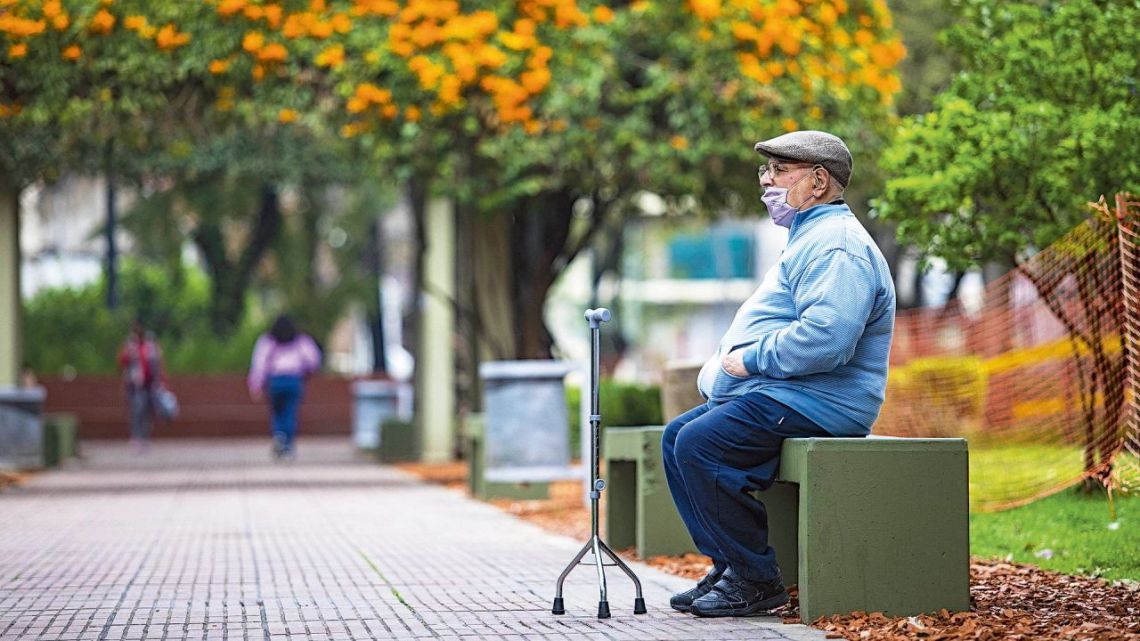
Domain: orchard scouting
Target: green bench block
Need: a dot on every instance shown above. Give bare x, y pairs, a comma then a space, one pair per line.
882, 524
529, 491
478, 485
872, 524
639, 509
68, 433
473, 452
60, 436
398, 442
50, 448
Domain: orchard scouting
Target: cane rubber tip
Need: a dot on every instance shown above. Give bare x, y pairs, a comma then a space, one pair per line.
639, 605
603, 609
559, 607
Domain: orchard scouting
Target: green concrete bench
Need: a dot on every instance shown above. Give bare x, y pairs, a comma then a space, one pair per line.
477, 483
872, 524
60, 438
398, 442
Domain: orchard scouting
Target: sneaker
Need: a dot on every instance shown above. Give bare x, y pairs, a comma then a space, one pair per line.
280, 447
683, 600
735, 596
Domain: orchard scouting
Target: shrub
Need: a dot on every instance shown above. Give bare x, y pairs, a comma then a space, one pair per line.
934, 396
622, 405
71, 329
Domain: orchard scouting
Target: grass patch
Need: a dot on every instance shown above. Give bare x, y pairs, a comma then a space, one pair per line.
1008, 472
1068, 532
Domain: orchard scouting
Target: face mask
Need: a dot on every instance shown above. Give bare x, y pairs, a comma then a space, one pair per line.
776, 200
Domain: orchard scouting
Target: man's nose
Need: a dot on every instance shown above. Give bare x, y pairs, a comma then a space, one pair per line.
766, 180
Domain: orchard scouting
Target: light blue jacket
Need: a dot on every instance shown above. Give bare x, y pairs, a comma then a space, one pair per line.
817, 332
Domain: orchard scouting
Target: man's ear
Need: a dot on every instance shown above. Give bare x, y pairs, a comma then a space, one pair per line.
820, 181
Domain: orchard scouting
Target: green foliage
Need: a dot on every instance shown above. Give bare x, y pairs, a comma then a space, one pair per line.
929, 65
72, 330
1071, 529
1043, 118
659, 100
119, 88
629, 404
622, 405
207, 353
329, 227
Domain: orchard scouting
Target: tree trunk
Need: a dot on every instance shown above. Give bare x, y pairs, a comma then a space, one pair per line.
375, 305
492, 266
305, 297
999, 285
539, 237
516, 257
112, 266
608, 252
230, 279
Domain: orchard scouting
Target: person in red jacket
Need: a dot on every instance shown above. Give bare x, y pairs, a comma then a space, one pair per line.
140, 361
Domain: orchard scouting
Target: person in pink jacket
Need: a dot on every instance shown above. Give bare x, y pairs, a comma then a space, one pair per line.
282, 358
140, 361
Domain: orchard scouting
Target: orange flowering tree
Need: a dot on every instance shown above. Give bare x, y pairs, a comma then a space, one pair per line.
669, 98
524, 111
290, 90
528, 111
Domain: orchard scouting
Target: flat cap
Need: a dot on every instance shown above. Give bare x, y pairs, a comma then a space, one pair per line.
817, 147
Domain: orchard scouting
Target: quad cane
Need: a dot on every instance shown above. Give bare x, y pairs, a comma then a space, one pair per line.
596, 317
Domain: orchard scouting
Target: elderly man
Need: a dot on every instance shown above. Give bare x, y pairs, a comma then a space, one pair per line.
806, 355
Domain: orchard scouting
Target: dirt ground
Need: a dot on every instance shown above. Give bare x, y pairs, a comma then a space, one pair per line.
1008, 601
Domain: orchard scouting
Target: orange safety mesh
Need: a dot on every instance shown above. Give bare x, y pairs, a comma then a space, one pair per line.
1040, 378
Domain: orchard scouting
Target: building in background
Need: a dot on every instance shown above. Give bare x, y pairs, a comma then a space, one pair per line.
61, 233
680, 285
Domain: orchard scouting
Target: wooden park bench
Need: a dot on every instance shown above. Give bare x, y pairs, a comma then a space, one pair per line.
872, 524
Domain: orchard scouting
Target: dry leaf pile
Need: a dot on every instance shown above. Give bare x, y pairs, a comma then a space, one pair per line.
563, 513
1008, 600
10, 478
1012, 601
451, 475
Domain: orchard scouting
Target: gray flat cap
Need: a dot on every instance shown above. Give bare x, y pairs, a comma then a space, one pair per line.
817, 147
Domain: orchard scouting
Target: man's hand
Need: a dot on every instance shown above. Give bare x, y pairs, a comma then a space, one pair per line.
733, 363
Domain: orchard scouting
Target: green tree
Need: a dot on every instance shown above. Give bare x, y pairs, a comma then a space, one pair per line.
520, 110
190, 102
667, 98
178, 313
1043, 117
929, 64
325, 258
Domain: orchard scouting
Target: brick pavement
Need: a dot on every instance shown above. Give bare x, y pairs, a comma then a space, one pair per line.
211, 540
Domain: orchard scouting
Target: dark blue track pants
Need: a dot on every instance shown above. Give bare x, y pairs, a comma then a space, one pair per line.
285, 393
714, 456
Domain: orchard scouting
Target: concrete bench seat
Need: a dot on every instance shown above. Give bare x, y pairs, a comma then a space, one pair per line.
872, 524
60, 438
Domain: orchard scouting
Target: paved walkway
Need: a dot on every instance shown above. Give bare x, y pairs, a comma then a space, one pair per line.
211, 540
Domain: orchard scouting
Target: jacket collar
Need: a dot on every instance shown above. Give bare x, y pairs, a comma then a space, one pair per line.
837, 207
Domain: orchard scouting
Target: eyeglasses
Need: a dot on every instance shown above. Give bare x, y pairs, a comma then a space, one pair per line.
774, 169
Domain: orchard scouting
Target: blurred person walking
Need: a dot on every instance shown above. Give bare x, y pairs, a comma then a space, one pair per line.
140, 361
282, 358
